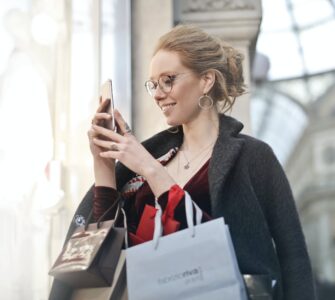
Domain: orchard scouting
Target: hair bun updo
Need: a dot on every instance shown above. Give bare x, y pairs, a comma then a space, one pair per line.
201, 52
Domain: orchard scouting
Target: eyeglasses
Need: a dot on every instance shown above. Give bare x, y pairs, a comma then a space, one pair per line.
165, 83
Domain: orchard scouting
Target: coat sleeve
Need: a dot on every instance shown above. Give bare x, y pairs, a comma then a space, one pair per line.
282, 217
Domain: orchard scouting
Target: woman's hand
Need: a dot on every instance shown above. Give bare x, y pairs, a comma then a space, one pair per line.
122, 145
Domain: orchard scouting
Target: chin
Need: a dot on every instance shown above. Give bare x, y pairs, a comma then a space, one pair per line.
172, 122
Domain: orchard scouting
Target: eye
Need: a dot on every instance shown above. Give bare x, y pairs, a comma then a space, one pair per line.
167, 79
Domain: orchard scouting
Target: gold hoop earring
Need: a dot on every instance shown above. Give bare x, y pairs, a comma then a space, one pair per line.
205, 102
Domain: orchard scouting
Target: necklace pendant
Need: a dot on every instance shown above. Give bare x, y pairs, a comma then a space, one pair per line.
187, 166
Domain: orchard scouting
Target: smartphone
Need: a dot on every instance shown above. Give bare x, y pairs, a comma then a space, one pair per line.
106, 93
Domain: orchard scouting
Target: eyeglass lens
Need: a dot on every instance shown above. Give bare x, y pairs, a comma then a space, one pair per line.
164, 83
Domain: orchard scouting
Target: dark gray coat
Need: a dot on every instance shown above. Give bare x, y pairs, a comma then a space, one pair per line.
249, 189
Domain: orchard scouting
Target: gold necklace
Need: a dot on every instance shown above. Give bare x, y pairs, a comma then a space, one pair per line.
188, 161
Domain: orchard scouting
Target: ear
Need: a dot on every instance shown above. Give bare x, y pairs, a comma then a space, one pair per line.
208, 81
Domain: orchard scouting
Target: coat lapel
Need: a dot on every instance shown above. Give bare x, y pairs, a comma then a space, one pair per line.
225, 153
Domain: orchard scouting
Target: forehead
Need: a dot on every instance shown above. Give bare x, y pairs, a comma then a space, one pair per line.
164, 62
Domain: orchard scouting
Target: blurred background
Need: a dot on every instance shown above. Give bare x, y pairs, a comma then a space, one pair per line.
54, 55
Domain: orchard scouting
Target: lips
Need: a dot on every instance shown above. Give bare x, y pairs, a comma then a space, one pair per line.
166, 107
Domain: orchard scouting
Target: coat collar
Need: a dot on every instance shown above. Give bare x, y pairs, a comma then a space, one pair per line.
226, 151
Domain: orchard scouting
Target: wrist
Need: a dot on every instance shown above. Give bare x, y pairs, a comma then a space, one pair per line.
104, 174
158, 178
152, 170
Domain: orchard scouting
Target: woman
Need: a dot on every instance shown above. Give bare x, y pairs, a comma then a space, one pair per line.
194, 77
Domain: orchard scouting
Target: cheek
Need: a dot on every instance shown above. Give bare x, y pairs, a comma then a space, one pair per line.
186, 95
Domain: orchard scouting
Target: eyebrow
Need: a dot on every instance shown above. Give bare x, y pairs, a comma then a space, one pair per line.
171, 73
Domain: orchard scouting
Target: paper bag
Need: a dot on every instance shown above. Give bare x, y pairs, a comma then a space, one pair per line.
195, 263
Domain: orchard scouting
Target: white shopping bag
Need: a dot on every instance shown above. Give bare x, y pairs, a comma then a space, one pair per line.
195, 263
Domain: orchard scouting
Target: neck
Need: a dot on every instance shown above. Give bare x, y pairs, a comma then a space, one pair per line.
201, 132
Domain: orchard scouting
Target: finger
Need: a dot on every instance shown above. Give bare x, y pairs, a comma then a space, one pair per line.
98, 117
108, 133
112, 146
110, 154
123, 126
92, 133
103, 106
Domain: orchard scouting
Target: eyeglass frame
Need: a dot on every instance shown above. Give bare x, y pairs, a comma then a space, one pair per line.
157, 84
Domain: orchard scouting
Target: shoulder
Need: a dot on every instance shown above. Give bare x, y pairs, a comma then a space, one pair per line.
259, 158
255, 148
261, 161
230, 132
253, 144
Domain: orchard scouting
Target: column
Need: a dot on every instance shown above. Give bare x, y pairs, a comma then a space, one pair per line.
236, 22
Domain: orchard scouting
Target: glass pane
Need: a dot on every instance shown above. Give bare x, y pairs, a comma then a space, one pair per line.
13, 20
312, 12
282, 50
83, 62
258, 111
319, 84
26, 146
319, 47
278, 121
299, 2
7, 47
296, 89
115, 52
275, 16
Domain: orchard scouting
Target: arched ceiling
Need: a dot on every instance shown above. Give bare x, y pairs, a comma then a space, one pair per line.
296, 58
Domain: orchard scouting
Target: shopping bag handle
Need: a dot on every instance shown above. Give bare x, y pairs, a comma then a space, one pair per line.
119, 202
125, 226
119, 209
158, 231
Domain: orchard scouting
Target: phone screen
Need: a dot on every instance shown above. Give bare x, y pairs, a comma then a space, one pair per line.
106, 92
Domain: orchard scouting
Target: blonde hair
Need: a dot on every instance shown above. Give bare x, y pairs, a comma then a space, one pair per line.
201, 52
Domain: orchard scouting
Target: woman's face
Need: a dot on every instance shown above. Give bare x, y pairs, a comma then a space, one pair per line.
180, 105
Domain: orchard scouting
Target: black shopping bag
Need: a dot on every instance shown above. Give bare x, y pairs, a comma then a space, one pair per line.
90, 256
